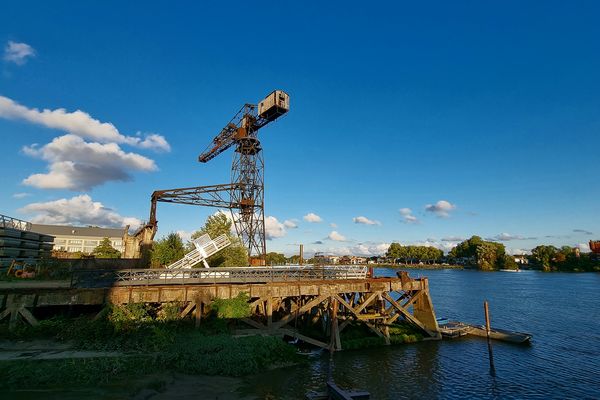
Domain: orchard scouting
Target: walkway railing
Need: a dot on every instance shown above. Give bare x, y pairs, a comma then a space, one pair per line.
215, 275
14, 223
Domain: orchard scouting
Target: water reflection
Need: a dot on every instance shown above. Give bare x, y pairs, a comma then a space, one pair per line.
556, 308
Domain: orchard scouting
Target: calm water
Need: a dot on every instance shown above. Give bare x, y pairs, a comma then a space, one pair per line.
562, 311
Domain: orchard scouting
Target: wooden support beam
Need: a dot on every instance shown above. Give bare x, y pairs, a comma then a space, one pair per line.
405, 313
290, 317
187, 310
253, 323
198, 313
269, 311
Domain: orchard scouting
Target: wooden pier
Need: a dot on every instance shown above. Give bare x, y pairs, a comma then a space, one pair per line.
276, 305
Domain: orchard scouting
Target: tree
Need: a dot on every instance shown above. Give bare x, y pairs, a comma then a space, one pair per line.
543, 255
234, 255
295, 259
486, 256
273, 258
508, 262
105, 250
167, 250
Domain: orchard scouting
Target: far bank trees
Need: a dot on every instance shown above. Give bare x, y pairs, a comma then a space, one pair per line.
414, 254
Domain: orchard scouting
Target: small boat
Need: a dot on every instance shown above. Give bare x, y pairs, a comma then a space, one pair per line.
510, 270
455, 329
500, 334
452, 329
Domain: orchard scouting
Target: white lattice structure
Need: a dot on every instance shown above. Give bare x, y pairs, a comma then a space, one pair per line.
204, 248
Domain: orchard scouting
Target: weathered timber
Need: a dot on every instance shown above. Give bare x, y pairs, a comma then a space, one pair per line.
276, 307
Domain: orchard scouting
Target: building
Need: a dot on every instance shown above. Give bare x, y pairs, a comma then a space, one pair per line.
81, 239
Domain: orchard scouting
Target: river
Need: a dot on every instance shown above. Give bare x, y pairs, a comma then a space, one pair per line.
561, 310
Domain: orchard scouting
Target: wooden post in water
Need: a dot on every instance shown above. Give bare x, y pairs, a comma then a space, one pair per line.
489, 340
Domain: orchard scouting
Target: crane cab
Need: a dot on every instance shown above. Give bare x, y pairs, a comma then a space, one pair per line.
274, 105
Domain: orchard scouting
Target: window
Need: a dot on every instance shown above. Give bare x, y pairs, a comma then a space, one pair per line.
60, 241
117, 243
91, 243
75, 241
74, 249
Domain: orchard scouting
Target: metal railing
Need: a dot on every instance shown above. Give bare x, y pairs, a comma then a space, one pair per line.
216, 275
14, 223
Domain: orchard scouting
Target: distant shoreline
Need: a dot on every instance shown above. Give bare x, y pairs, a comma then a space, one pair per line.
418, 266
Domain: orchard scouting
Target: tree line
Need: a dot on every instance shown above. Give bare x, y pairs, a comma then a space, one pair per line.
414, 254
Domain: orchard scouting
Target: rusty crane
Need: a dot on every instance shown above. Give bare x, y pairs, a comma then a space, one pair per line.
244, 196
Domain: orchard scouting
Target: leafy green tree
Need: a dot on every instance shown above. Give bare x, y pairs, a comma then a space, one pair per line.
167, 250
234, 255
508, 262
105, 250
543, 256
273, 258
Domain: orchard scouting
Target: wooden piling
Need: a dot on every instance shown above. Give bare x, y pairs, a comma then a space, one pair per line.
489, 340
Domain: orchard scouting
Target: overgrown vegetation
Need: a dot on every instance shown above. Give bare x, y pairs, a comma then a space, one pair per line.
149, 340
360, 337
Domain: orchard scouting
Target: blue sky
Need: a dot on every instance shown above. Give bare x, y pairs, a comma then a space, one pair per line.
486, 113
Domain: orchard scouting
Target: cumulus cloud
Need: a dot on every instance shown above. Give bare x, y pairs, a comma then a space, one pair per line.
274, 228
334, 235
583, 231
78, 165
442, 208
312, 217
408, 216
365, 221
290, 223
18, 53
78, 210
79, 123
362, 249
333, 225
21, 195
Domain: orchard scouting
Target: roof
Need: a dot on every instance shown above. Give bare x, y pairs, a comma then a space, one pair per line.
65, 230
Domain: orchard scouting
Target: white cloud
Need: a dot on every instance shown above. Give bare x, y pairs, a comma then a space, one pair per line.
442, 208
361, 249
407, 215
312, 217
186, 236
18, 53
78, 210
290, 223
334, 235
78, 165
505, 237
79, 123
274, 228
333, 225
365, 221
21, 195
453, 239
